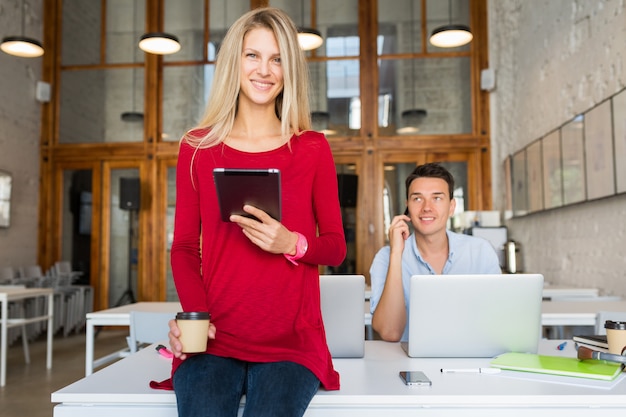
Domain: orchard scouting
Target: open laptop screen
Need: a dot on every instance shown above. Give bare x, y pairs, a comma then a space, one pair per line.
474, 315
342, 303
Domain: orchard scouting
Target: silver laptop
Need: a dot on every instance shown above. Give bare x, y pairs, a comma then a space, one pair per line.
474, 315
342, 303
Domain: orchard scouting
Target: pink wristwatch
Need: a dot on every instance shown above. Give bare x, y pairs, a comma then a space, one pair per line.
301, 246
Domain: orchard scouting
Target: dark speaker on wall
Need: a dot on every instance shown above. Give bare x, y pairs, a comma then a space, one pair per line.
348, 184
129, 193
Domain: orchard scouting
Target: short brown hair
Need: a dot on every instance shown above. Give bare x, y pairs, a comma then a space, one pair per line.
431, 170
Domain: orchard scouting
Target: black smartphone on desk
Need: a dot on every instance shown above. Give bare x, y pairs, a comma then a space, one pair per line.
415, 378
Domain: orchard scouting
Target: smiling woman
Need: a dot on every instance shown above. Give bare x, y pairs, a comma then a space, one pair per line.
261, 83
272, 333
261, 70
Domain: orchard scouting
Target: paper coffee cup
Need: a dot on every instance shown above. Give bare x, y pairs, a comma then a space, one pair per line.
194, 330
616, 336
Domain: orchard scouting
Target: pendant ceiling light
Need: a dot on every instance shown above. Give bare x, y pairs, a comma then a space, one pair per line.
308, 38
451, 35
22, 46
159, 43
131, 116
411, 119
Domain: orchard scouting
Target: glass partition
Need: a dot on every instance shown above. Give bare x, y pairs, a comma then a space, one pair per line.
84, 17
399, 27
125, 23
185, 94
101, 106
76, 222
425, 96
124, 236
185, 19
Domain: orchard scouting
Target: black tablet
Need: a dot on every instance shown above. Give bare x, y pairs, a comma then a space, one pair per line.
257, 187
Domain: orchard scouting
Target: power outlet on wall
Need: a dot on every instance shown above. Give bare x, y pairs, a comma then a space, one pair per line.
488, 79
42, 92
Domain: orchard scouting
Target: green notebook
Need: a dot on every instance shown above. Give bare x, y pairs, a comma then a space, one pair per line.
558, 365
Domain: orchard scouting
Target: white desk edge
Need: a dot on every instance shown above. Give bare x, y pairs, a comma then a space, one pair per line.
369, 385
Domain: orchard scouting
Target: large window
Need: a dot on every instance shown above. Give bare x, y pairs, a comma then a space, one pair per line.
383, 95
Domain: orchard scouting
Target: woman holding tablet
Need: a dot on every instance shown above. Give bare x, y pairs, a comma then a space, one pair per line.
258, 279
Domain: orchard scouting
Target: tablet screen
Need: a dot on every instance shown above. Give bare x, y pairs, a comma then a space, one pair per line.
257, 187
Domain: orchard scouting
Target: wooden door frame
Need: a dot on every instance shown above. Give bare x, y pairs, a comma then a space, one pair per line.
54, 238
102, 292
160, 241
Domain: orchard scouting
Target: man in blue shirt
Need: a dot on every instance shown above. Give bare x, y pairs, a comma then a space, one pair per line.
431, 249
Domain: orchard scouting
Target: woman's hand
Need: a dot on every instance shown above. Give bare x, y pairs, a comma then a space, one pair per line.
267, 233
174, 335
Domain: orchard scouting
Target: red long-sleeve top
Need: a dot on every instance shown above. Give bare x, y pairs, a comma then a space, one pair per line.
264, 308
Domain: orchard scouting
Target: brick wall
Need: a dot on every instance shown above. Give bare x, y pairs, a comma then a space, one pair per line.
20, 117
553, 60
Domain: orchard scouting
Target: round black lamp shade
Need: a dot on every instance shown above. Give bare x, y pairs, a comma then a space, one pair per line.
451, 36
159, 43
21, 46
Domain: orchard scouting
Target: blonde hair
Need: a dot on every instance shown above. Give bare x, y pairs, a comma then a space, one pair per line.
292, 104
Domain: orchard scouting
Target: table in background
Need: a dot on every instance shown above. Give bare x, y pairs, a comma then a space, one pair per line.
553, 313
370, 386
576, 313
8, 294
117, 316
582, 312
556, 292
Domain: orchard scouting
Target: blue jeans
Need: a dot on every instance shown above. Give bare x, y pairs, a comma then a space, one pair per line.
208, 385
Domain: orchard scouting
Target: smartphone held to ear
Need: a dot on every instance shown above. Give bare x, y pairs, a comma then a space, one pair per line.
415, 378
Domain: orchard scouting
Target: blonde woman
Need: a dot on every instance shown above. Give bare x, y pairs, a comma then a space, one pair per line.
257, 278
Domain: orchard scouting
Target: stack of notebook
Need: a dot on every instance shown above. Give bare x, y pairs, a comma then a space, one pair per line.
594, 342
558, 365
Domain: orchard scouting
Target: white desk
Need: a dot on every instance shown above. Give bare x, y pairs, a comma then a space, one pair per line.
556, 292
369, 387
117, 316
561, 313
554, 313
576, 313
8, 294
120, 316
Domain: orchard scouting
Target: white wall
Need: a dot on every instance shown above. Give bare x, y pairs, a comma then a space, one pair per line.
20, 116
553, 60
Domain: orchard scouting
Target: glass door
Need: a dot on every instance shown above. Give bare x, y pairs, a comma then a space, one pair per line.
76, 223
123, 212
122, 243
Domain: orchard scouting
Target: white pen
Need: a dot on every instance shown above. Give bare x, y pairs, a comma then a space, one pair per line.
471, 371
